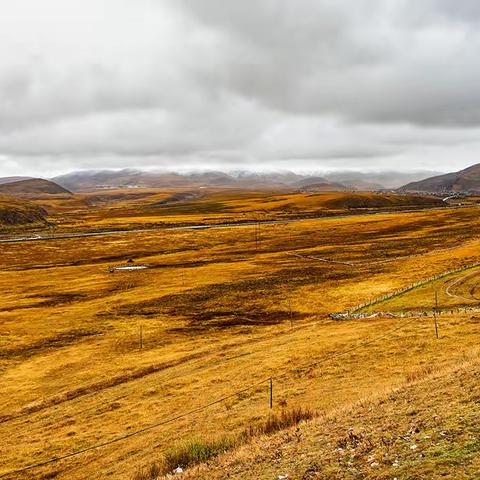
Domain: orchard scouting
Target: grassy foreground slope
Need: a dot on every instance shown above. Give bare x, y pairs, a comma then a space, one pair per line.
428, 428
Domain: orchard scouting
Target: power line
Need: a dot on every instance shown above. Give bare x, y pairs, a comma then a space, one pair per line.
94, 407
198, 409
364, 344
132, 434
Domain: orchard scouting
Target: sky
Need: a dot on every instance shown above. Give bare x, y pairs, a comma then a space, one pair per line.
304, 85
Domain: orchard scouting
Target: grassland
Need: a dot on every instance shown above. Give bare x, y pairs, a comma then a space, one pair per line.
218, 310
140, 208
452, 292
411, 432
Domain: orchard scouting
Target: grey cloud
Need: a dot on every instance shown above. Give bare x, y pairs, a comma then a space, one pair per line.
355, 60
257, 82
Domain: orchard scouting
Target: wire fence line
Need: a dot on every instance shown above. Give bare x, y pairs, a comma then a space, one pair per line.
379, 262
414, 313
251, 387
200, 408
353, 312
13, 417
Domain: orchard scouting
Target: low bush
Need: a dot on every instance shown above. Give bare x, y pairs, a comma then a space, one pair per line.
279, 421
194, 452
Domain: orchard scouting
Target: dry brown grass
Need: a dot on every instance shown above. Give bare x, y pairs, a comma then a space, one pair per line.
279, 421
127, 208
193, 452
217, 314
408, 432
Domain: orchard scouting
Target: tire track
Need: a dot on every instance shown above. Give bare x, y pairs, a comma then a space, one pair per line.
459, 281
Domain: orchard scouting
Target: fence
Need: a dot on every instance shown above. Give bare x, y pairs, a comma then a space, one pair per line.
354, 312
412, 313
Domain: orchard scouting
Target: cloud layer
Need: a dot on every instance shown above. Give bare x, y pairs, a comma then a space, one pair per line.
307, 85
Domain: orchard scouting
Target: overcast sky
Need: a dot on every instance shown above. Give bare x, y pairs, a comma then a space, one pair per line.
253, 84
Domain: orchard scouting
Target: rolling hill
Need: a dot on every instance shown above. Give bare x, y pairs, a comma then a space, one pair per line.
33, 186
321, 185
91, 180
14, 211
467, 180
4, 180
372, 200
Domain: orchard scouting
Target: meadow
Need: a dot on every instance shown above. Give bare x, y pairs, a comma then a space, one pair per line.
89, 356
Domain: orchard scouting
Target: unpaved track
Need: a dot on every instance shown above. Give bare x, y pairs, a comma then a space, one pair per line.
459, 281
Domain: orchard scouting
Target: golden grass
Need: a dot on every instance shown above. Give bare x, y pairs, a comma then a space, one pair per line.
143, 207
408, 432
446, 295
218, 313
192, 452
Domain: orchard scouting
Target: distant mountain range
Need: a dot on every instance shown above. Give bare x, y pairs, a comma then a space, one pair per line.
128, 178
387, 180
93, 180
467, 180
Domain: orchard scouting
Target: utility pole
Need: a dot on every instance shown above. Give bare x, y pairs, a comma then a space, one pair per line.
271, 392
435, 310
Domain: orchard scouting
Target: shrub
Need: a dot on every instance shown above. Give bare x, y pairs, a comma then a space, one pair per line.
198, 451
279, 421
195, 451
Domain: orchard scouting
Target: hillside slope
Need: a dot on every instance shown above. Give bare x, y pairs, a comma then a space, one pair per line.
377, 180
4, 180
32, 186
411, 433
462, 181
373, 200
20, 212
